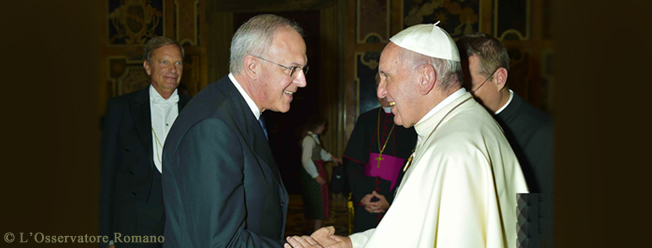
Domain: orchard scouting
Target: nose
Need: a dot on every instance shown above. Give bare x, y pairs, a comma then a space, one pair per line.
300, 79
381, 92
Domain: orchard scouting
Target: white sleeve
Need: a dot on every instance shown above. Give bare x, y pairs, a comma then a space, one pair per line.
306, 154
325, 155
358, 240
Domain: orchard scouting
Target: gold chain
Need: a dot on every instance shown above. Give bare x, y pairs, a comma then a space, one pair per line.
388, 135
157, 143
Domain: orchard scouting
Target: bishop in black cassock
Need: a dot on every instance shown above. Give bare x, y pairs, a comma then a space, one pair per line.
368, 168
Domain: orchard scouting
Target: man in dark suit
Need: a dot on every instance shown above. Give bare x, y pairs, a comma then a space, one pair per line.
135, 127
221, 186
529, 130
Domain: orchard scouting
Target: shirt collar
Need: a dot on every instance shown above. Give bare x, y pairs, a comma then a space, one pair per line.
155, 97
442, 104
511, 96
250, 102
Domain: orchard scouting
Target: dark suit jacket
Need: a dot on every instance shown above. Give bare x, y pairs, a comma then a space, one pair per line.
530, 133
221, 186
131, 196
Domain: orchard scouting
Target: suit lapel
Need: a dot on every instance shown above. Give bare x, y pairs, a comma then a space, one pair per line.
183, 99
140, 112
251, 129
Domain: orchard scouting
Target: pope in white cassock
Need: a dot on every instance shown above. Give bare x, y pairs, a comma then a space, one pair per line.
460, 188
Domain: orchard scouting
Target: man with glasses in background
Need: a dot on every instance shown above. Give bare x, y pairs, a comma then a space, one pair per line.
529, 130
221, 185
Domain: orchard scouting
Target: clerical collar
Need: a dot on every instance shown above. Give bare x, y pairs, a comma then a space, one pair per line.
511, 96
387, 110
154, 96
250, 102
443, 104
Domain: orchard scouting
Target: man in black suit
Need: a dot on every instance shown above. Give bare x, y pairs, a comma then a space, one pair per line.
134, 130
529, 130
221, 185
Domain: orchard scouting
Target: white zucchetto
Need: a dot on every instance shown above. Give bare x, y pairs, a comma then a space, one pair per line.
429, 40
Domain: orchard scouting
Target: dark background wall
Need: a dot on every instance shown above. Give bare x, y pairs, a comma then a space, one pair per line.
49, 177
50, 136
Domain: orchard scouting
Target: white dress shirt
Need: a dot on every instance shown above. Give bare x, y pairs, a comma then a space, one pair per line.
163, 113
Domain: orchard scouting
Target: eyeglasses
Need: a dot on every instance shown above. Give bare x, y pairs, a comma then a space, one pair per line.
489, 77
292, 69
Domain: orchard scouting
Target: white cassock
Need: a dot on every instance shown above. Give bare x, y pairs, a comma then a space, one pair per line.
460, 190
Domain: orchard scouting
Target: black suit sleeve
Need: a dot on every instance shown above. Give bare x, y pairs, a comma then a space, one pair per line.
210, 175
110, 158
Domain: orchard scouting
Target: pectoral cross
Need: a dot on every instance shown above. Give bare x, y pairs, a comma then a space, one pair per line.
379, 158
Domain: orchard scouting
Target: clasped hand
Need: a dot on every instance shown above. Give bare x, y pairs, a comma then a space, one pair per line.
379, 206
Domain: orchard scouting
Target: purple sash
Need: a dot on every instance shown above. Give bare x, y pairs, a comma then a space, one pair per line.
388, 168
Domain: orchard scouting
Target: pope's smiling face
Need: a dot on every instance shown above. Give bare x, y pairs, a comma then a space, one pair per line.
397, 85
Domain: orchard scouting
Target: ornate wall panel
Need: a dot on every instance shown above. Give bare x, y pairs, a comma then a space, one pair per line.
547, 80
187, 18
125, 75
366, 67
372, 21
512, 19
192, 73
457, 17
132, 22
519, 78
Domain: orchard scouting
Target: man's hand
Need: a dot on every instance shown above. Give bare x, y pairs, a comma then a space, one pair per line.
301, 242
379, 206
366, 199
320, 180
324, 237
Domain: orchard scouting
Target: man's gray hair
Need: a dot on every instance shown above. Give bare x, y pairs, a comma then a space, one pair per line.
158, 42
255, 36
450, 72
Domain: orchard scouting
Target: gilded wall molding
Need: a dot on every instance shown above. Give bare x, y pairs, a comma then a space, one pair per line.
133, 22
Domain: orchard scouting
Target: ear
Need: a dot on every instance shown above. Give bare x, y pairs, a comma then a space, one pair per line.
500, 78
427, 79
147, 68
250, 66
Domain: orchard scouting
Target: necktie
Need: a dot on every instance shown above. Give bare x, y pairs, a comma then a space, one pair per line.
261, 121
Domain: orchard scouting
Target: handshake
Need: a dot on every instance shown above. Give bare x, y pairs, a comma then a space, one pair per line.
324, 237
